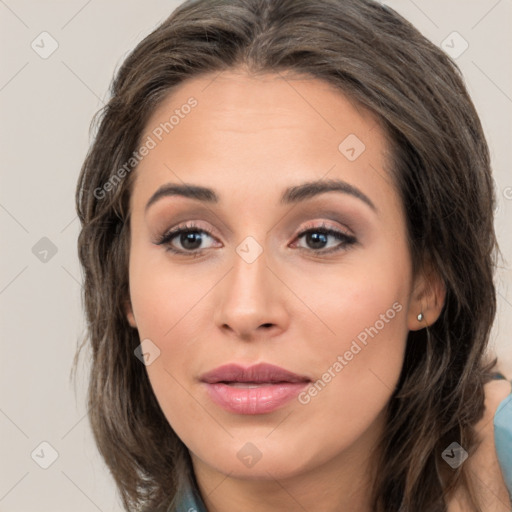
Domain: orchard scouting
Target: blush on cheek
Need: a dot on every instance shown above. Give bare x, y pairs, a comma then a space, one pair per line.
158, 306
366, 315
371, 343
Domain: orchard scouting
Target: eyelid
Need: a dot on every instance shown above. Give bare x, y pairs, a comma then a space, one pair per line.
313, 224
188, 226
324, 224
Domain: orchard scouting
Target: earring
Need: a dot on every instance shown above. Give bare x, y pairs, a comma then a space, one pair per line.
420, 317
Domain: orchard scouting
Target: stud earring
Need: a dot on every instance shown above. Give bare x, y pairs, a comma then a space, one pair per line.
420, 317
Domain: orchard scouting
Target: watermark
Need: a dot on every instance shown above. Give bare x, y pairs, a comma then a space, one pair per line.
454, 45
44, 455
150, 143
44, 249
454, 455
249, 249
147, 352
352, 147
249, 454
44, 45
507, 193
343, 360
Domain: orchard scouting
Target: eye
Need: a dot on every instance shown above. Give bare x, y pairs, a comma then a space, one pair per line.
189, 237
318, 237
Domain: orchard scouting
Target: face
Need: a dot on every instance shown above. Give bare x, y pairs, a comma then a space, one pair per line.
315, 281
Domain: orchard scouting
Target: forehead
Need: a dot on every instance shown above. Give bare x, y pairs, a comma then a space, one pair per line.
246, 104
245, 132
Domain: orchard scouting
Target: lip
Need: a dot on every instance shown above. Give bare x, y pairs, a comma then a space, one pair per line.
257, 389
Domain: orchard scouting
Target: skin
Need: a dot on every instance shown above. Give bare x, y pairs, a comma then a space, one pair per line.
249, 138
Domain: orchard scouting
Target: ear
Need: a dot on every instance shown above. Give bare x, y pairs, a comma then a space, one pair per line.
129, 314
428, 297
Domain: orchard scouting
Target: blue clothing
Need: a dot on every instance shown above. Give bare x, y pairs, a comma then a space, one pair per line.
502, 437
190, 502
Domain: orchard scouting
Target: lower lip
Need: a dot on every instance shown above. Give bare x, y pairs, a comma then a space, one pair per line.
258, 400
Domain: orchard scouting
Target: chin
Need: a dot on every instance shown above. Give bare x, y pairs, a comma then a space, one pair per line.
262, 459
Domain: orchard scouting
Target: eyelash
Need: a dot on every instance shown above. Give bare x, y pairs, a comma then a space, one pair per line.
167, 237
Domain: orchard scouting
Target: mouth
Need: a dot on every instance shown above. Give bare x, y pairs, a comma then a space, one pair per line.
258, 389
263, 373
247, 385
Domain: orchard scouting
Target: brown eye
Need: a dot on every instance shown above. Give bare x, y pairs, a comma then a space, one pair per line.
190, 238
317, 239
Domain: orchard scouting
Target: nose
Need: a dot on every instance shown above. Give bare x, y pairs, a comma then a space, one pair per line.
250, 301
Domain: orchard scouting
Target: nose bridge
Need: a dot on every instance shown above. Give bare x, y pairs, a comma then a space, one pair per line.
248, 299
248, 280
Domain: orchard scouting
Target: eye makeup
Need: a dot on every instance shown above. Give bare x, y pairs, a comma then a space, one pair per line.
315, 233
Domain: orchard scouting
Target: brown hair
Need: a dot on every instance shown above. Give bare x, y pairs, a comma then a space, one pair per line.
441, 168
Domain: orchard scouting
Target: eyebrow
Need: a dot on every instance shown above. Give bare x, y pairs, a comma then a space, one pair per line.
291, 195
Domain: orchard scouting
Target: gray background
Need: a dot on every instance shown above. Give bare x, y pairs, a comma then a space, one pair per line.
46, 107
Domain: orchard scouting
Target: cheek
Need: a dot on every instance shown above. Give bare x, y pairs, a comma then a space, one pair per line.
365, 309
169, 308
163, 296
365, 299
166, 312
365, 355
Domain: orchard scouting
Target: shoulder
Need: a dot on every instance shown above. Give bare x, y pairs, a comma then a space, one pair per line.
483, 464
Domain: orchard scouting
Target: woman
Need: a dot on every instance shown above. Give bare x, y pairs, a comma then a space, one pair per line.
288, 244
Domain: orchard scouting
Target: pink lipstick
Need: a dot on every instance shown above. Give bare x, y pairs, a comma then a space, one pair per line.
258, 389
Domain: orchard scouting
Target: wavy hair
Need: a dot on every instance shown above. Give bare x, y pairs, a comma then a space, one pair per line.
441, 167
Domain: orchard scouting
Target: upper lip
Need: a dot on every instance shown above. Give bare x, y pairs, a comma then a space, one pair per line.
262, 372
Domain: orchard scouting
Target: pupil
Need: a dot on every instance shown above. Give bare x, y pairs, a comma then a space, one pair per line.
187, 238
317, 238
